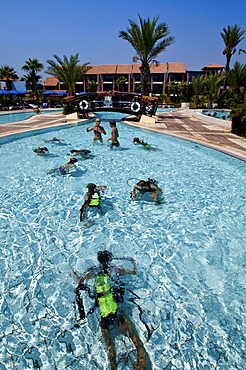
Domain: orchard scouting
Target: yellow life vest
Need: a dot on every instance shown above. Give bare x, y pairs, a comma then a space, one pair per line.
95, 200
106, 300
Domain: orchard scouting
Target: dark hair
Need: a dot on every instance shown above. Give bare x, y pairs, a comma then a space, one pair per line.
91, 186
73, 160
136, 139
142, 183
104, 257
112, 122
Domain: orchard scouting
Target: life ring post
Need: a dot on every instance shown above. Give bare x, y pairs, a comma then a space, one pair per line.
135, 107
84, 105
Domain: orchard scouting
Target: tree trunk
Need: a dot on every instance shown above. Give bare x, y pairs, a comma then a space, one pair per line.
196, 100
145, 71
210, 102
228, 59
34, 87
8, 84
244, 96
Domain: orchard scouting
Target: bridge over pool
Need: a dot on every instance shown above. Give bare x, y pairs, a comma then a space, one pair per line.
128, 103
126, 110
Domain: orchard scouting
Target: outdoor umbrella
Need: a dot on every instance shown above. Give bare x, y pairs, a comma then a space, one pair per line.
60, 93
23, 92
13, 92
49, 93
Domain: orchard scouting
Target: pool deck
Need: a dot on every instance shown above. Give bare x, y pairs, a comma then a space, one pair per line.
177, 123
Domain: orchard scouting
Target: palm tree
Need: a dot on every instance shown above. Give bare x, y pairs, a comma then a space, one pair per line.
92, 86
121, 82
241, 51
175, 88
148, 40
213, 83
198, 84
231, 37
9, 74
33, 66
28, 78
236, 76
68, 71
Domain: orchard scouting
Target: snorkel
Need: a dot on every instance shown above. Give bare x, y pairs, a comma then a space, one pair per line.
127, 259
105, 257
152, 181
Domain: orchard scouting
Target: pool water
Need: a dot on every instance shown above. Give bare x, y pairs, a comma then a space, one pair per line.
166, 109
190, 251
19, 116
217, 113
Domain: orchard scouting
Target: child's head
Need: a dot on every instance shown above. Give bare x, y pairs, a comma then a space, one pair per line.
112, 123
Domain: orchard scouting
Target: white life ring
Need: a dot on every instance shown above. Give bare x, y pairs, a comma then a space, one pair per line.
84, 104
135, 107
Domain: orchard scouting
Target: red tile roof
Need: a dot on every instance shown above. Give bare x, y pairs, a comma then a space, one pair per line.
108, 68
102, 69
176, 67
213, 66
94, 70
51, 81
124, 68
134, 68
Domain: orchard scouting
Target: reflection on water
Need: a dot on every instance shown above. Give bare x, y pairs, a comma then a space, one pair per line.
190, 281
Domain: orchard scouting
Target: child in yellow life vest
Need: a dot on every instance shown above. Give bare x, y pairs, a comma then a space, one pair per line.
110, 304
92, 198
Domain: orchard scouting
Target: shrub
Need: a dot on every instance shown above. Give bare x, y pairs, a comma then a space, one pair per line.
229, 99
238, 116
65, 110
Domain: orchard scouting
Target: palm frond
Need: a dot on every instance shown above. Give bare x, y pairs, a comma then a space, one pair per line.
67, 70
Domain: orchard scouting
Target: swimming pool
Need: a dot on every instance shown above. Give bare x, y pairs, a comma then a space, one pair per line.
19, 116
166, 109
217, 113
190, 251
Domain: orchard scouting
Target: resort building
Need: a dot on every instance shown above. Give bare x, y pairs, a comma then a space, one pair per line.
126, 77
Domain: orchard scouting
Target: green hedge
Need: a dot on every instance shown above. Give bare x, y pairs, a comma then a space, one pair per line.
238, 116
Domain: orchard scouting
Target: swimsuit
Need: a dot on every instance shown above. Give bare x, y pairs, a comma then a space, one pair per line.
115, 143
62, 170
98, 132
146, 146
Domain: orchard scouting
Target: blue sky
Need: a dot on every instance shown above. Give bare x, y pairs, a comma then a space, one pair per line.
40, 29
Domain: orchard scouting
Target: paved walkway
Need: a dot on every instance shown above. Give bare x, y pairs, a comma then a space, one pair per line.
176, 123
